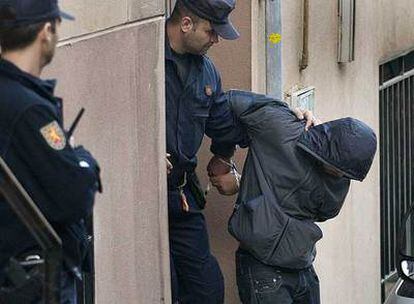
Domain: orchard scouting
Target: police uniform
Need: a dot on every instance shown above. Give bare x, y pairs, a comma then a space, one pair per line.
61, 180
194, 107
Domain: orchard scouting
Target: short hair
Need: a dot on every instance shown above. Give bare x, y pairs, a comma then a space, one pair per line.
21, 36
180, 11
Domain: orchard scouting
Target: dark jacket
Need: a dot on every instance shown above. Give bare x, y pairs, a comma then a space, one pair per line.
284, 188
194, 107
62, 181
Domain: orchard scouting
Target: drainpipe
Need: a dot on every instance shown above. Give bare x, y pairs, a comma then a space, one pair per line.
304, 61
274, 48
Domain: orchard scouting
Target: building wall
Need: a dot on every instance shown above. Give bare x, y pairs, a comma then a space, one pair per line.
348, 260
396, 24
111, 61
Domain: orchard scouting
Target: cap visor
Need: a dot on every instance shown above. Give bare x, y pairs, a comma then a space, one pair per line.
66, 16
226, 31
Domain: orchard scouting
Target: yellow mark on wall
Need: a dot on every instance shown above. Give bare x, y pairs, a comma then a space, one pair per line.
275, 38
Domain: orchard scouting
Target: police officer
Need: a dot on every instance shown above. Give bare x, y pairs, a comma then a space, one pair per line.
194, 108
61, 179
193, 86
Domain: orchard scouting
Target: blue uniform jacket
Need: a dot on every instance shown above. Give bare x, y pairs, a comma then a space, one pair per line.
62, 181
193, 109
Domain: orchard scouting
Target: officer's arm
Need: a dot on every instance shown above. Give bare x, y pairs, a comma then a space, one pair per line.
63, 181
224, 128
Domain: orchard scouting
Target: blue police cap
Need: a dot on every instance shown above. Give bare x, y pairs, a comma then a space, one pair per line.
217, 12
23, 12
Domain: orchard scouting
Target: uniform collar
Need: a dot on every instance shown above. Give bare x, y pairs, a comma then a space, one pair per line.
169, 54
45, 88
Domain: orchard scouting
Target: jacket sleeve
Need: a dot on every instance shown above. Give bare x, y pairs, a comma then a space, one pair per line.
62, 181
223, 127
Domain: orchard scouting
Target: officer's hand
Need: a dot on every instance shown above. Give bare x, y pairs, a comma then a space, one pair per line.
88, 161
218, 166
227, 184
169, 164
311, 121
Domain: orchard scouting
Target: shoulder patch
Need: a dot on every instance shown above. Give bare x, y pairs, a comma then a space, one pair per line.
54, 135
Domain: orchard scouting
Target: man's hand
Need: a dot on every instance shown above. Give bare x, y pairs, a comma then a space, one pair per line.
218, 166
311, 121
227, 184
169, 164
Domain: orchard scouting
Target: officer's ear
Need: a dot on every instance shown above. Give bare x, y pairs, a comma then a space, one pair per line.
48, 31
45, 33
187, 24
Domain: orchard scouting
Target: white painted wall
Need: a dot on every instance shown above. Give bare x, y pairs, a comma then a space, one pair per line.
348, 261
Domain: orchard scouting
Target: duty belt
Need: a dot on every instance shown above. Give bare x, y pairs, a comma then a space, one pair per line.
189, 181
178, 184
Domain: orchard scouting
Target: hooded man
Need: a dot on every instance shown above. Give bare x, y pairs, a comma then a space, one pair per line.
291, 179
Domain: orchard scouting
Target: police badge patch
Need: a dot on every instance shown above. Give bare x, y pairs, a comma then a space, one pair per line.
54, 136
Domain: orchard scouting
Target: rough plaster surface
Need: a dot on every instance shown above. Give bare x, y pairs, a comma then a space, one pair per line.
118, 77
396, 32
92, 15
349, 253
145, 8
96, 15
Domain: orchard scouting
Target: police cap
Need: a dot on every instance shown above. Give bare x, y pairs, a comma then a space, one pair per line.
217, 12
24, 12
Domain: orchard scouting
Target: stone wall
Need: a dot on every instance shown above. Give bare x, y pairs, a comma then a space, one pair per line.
111, 61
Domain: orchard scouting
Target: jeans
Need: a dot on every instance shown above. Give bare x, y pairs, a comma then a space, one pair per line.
196, 277
263, 284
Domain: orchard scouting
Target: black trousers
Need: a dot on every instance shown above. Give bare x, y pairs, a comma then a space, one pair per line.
68, 293
263, 284
196, 277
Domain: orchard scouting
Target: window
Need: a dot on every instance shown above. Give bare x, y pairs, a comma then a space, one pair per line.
396, 156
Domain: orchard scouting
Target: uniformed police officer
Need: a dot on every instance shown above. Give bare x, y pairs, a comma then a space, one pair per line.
192, 87
62, 180
194, 108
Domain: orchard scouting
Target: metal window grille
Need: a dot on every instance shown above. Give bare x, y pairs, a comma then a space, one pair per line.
397, 155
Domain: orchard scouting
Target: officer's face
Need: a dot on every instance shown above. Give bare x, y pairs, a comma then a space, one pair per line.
200, 37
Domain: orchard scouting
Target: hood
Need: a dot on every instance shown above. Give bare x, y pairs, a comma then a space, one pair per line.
347, 144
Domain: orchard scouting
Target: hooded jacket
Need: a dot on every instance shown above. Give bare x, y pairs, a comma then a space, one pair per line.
284, 188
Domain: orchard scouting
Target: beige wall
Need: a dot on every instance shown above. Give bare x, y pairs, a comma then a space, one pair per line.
112, 64
348, 260
396, 27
